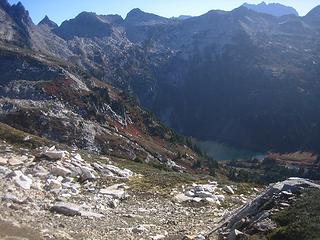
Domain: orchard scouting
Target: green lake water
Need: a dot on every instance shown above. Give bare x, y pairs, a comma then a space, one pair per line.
221, 152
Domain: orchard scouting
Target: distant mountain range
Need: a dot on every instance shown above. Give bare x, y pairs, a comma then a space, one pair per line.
241, 77
274, 9
46, 89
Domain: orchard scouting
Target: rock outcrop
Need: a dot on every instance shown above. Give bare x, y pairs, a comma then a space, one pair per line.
256, 216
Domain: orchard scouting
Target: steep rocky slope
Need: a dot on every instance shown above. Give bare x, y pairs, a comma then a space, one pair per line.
46, 97
241, 77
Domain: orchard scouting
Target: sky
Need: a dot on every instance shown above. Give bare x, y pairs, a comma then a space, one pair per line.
60, 10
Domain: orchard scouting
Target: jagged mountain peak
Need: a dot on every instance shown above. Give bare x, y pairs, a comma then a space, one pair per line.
275, 9
48, 22
19, 8
138, 17
20, 14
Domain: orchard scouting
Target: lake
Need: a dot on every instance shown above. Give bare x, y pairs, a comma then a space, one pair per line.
221, 151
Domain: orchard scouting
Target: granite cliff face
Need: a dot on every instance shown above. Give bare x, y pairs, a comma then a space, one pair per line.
240, 77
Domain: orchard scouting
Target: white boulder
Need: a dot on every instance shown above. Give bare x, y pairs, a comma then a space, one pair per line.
22, 180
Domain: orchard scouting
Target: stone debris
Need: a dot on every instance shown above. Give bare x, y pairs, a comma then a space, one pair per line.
14, 162
229, 190
117, 191
238, 235
201, 193
60, 171
27, 138
53, 184
87, 174
53, 154
12, 198
3, 161
139, 229
71, 209
196, 237
95, 196
122, 173
4, 171
68, 209
158, 237
22, 180
64, 176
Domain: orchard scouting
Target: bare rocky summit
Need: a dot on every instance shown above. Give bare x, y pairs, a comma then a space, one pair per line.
47, 22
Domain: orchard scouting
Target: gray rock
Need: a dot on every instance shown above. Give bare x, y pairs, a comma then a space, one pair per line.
139, 229
116, 191
54, 154
125, 173
181, 198
114, 203
158, 237
40, 171
237, 235
75, 171
265, 225
258, 217
71, 209
17, 160
12, 198
229, 190
68, 209
53, 184
89, 214
60, 171
4, 171
3, 161
87, 174
22, 180
200, 237
203, 194
27, 138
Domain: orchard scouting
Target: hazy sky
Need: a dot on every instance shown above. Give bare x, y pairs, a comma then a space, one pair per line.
60, 10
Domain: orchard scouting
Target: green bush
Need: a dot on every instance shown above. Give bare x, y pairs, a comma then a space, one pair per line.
301, 221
